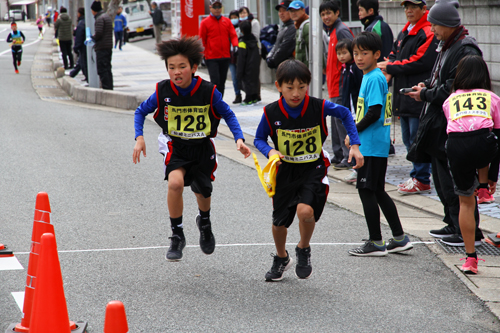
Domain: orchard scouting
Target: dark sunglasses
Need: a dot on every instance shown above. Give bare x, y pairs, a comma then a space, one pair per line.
216, 6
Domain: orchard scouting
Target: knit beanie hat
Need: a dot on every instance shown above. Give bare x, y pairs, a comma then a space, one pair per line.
96, 6
445, 13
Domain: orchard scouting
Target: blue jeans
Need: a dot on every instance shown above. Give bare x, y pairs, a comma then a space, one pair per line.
232, 68
409, 127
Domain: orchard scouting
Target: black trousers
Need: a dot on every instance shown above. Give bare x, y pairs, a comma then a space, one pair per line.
17, 56
217, 69
103, 61
81, 64
65, 46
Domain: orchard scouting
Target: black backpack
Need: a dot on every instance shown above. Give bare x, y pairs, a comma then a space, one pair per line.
268, 36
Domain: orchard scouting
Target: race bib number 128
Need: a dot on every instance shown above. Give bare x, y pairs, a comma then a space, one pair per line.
189, 122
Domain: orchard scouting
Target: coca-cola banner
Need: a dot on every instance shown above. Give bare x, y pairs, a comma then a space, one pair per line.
190, 10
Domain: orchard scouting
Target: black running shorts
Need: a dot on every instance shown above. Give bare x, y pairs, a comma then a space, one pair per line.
371, 175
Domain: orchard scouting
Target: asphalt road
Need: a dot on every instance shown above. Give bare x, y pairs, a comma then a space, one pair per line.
111, 225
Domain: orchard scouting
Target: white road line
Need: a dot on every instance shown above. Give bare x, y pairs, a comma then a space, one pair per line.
10, 263
19, 298
218, 245
24, 45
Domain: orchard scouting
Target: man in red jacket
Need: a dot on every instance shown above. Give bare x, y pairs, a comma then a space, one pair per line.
217, 33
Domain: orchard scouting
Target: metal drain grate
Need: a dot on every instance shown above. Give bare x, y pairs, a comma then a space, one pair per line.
43, 77
42, 69
55, 97
45, 86
485, 249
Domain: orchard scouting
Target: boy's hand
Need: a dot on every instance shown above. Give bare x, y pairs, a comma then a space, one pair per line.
360, 159
274, 152
242, 148
140, 145
493, 186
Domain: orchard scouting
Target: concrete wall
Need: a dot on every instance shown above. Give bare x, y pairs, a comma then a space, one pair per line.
480, 17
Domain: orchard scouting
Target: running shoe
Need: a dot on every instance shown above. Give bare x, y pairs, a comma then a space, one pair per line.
280, 265
303, 270
177, 244
342, 166
470, 266
207, 239
369, 249
415, 187
395, 246
446, 231
352, 177
406, 182
484, 196
457, 240
17, 71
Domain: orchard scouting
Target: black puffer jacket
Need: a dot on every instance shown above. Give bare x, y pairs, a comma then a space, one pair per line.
248, 67
103, 34
284, 46
431, 135
80, 35
410, 62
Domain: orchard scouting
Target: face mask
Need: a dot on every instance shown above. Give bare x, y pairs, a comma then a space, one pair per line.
235, 21
243, 18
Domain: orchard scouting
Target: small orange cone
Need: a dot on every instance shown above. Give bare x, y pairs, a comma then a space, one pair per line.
5, 252
115, 320
50, 313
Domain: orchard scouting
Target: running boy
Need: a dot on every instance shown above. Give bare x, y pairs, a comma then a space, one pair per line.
373, 116
194, 108
296, 124
17, 39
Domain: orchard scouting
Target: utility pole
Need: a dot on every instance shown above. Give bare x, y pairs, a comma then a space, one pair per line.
316, 49
91, 58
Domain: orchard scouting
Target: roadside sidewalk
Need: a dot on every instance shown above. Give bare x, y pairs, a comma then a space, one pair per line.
136, 72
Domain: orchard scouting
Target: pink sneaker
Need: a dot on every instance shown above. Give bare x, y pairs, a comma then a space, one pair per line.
484, 196
470, 266
415, 187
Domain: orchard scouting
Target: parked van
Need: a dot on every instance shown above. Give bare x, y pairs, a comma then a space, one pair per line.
139, 22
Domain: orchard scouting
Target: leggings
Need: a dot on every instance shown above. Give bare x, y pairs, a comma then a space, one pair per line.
371, 201
16, 57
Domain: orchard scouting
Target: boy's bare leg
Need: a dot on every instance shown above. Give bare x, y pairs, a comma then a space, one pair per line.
305, 214
203, 203
467, 222
279, 235
174, 195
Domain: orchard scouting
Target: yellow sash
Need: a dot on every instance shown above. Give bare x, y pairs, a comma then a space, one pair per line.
268, 175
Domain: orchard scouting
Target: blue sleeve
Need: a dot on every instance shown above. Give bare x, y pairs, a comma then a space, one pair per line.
341, 112
146, 107
225, 111
260, 141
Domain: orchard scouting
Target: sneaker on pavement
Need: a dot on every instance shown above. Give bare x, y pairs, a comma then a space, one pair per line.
457, 240
342, 166
415, 187
177, 244
395, 246
237, 99
280, 265
406, 182
207, 239
352, 177
334, 161
447, 231
369, 249
303, 270
484, 196
470, 266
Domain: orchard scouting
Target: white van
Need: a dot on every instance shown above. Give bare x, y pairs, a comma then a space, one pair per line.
139, 22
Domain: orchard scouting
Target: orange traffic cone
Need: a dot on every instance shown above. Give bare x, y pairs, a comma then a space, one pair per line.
115, 320
5, 252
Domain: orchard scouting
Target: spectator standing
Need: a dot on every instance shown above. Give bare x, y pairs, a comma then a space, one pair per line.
429, 145
158, 21
246, 15
248, 64
103, 37
120, 24
217, 34
64, 28
285, 41
330, 14
410, 62
80, 48
235, 20
48, 17
301, 21
372, 21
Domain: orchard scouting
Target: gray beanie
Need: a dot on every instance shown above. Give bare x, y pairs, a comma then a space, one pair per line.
445, 13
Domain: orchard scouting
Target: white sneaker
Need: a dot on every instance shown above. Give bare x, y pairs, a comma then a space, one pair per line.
352, 177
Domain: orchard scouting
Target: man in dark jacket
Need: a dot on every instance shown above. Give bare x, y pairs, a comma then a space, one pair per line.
103, 38
79, 48
455, 43
64, 28
410, 62
285, 41
372, 21
157, 16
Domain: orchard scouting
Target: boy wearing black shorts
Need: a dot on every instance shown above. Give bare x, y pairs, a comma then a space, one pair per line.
297, 126
188, 109
17, 39
373, 120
